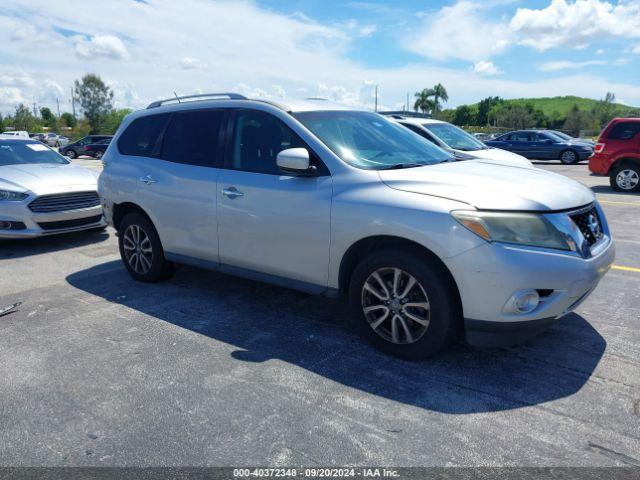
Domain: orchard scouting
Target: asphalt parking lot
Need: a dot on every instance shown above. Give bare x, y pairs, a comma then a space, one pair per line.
207, 369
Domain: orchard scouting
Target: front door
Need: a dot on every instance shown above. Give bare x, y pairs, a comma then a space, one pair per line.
268, 221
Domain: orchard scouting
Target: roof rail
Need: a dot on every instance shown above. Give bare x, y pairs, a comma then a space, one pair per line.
202, 96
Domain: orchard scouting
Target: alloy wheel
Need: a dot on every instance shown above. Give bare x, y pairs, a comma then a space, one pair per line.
138, 251
627, 179
568, 157
395, 305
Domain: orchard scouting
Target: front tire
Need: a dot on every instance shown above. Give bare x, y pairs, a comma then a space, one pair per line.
98, 155
141, 250
404, 305
625, 178
569, 157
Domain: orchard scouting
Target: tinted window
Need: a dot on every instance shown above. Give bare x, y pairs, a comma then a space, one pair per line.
519, 137
192, 137
141, 137
24, 153
258, 138
624, 131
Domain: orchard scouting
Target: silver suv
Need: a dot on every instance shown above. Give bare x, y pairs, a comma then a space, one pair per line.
335, 201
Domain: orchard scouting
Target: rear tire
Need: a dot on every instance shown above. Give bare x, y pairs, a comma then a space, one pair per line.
625, 178
569, 157
419, 332
98, 155
141, 250
70, 154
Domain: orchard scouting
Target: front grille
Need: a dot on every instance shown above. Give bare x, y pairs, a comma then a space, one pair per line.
64, 202
77, 222
589, 223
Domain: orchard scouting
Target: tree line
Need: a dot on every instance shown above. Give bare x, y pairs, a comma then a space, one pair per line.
95, 104
498, 112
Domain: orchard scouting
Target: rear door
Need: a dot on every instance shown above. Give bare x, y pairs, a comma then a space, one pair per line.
268, 221
177, 178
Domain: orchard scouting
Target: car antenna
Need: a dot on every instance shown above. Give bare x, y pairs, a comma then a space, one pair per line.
177, 97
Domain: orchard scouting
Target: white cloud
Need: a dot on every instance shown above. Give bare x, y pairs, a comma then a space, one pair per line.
10, 97
461, 31
575, 24
190, 63
368, 30
486, 68
568, 64
636, 49
600, 51
19, 79
100, 46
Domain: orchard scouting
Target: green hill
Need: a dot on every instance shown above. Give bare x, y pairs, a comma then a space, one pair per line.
560, 106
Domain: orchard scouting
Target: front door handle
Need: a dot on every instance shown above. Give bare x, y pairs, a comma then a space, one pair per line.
147, 180
232, 192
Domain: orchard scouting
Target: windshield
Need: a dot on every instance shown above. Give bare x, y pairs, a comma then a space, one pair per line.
562, 135
26, 153
367, 140
455, 137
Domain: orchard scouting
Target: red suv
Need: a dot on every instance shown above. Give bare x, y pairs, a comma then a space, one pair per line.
617, 154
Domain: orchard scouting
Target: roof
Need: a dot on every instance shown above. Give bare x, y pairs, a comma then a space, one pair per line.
417, 120
216, 99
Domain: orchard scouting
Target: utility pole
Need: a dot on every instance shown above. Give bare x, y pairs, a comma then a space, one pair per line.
376, 105
58, 103
408, 108
35, 111
73, 103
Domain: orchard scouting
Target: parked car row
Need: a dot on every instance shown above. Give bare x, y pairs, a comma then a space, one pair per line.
91, 145
425, 231
543, 145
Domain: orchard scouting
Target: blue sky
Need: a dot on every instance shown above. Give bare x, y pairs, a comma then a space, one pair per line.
340, 50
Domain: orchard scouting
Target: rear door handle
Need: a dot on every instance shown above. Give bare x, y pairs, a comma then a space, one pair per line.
232, 192
147, 180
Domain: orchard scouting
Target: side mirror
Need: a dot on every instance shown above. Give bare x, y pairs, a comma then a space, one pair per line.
295, 161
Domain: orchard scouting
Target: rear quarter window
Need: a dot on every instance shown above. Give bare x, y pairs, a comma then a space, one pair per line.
141, 137
624, 131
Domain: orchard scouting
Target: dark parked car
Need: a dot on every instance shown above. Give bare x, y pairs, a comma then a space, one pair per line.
569, 137
543, 145
96, 150
76, 149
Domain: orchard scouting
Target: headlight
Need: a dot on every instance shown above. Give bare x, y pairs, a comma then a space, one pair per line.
519, 228
10, 196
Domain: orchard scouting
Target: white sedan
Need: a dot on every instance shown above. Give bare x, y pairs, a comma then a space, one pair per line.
463, 145
42, 193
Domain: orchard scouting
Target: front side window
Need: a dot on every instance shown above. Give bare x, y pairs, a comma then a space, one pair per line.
192, 138
420, 132
519, 137
26, 153
624, 131
455, 137
370, 141
141, 136
258, 137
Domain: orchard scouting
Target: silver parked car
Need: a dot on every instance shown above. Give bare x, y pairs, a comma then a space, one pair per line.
42, 193
334, 201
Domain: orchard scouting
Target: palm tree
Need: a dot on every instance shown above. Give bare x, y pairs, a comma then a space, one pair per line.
438, 93
423, 102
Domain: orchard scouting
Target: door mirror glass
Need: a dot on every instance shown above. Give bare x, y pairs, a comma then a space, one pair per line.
295, 161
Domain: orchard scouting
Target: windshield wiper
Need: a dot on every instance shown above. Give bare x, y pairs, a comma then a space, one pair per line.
396, 166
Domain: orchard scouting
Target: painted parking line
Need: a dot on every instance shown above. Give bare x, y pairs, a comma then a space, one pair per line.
619, 203
626, 269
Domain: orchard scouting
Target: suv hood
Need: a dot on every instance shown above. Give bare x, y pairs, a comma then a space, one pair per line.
44, 177
490, 186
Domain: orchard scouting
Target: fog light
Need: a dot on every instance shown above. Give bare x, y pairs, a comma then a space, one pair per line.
522, 302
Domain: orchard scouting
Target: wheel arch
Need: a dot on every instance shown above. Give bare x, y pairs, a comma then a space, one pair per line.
624, 161
357, 251
120, 210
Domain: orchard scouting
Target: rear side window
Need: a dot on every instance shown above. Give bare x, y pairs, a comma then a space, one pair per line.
141, 136
192, 138
258, 138
624, 131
